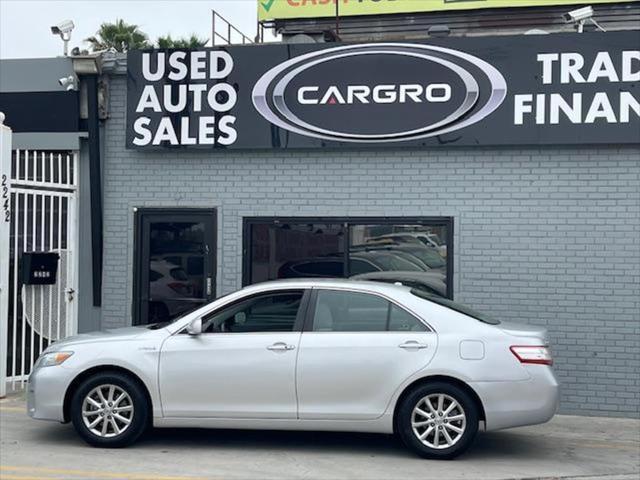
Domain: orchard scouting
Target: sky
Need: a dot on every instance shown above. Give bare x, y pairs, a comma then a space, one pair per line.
25, 24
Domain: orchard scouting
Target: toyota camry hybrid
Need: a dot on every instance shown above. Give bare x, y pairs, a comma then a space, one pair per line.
335, 355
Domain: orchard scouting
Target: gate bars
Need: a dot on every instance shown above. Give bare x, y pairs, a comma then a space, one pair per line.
43, 205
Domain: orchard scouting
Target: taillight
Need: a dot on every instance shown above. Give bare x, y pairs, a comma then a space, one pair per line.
538, 354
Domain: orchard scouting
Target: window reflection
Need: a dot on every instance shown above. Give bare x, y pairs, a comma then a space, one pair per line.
176, 269
296, 250
414, 254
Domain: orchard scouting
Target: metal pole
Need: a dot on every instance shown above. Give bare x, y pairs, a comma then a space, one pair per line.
5, 227
95, 185
337, 19
213, 28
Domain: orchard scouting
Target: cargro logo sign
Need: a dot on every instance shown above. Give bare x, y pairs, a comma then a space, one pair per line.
379, 92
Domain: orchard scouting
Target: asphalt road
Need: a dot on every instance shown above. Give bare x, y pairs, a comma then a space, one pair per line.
567, 447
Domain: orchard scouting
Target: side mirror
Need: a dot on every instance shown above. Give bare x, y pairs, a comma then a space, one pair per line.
195, 327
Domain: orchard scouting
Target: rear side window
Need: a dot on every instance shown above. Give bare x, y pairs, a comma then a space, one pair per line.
342, 311
458, 307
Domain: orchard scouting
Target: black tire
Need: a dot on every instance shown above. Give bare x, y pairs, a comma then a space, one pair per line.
139, 414
461, 440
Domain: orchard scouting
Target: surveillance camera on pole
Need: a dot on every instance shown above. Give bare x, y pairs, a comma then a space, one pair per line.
63, 29
579, 16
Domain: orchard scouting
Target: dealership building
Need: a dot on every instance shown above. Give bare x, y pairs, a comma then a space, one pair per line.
493, 155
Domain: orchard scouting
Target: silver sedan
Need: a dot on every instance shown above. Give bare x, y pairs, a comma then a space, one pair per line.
338, 355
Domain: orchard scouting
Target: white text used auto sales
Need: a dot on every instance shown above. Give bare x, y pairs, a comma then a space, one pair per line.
187, 89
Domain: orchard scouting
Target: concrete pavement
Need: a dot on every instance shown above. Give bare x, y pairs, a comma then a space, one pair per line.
567, 447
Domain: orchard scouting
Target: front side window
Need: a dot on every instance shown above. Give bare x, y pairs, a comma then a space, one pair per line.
343, 311
274, 312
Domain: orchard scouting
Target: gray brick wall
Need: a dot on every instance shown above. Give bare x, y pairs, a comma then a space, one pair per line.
548, 236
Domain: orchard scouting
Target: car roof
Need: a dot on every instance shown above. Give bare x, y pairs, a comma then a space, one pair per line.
345, 283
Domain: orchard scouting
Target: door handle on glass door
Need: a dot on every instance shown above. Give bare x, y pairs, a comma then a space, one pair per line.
413, 345
280, 346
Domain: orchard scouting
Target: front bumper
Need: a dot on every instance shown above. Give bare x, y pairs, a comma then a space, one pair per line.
45, 393
516, 404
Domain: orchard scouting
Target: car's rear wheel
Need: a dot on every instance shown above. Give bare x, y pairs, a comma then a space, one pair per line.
109, 409
438, 420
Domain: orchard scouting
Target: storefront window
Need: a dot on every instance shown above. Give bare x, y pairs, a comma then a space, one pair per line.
410, 251
295, 250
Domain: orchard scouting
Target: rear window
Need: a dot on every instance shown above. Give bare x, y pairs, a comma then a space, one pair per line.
458, 307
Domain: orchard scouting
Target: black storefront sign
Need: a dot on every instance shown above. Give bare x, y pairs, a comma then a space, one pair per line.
41, 111
522, 90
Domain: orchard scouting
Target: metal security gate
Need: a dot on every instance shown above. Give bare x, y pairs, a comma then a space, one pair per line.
42, 213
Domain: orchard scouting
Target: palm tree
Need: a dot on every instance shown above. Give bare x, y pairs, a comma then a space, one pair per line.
192, 42
120, 36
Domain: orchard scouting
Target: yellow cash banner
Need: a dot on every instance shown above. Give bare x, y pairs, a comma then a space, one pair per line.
282, 9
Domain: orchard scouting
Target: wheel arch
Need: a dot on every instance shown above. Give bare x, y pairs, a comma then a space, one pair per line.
439, 378
82, 376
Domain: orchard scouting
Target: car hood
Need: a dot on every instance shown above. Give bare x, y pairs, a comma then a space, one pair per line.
125, 333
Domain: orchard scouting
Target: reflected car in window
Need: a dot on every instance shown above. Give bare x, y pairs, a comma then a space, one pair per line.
171, 292
431, 282
422, 238
307, 354
359, 262
425, 257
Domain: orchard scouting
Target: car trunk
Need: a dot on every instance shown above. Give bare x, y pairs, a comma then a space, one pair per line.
524, 330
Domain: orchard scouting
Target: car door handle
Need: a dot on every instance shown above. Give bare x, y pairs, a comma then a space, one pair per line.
413, 345
280, 347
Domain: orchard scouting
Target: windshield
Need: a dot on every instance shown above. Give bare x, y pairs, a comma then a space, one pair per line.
394, 262
458, 307
431, 258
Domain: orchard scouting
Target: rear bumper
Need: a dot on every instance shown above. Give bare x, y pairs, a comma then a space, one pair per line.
515, 404
45, 393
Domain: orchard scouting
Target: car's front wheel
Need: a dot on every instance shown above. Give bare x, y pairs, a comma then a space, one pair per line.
109, 409
438, 420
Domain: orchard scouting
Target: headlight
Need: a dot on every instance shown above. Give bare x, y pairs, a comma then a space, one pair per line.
53, 358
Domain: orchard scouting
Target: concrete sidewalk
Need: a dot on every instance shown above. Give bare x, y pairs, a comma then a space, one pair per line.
567, 447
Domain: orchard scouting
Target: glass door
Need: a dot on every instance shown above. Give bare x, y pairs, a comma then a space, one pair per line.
175, 263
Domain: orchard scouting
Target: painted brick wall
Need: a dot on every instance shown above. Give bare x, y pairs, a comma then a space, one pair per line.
548, 236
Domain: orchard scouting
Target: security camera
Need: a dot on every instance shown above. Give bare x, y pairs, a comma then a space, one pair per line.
579, 16
62, 28
68, 82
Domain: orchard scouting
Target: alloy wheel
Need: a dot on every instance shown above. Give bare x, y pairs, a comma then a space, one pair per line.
107, 410
438, 421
